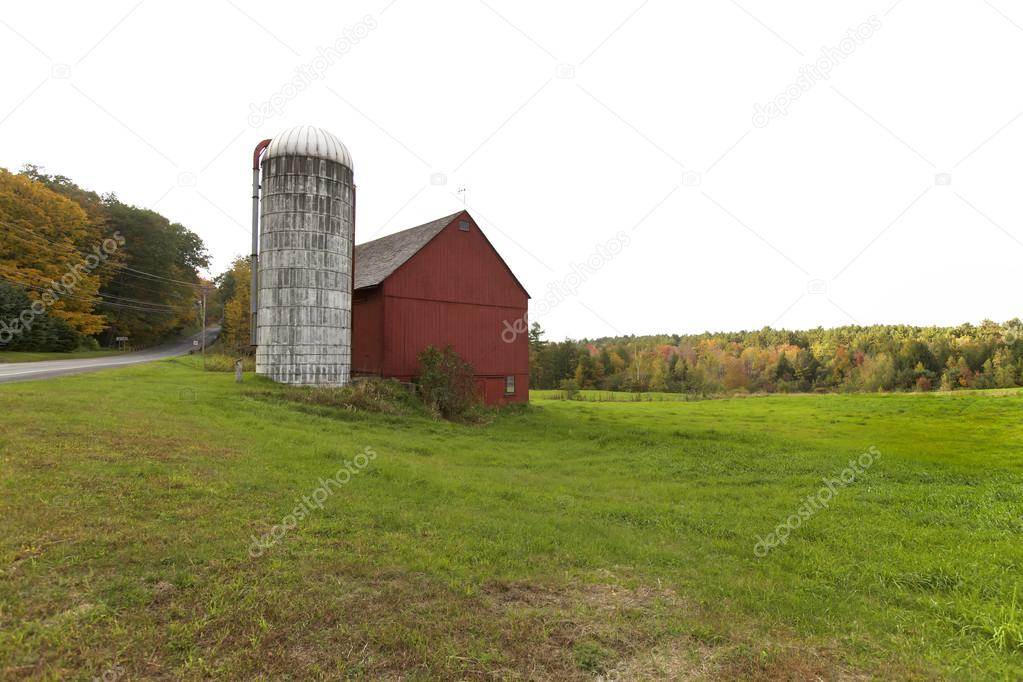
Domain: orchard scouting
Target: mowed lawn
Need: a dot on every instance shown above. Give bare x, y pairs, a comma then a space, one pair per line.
37, 356
609, 396
566, 541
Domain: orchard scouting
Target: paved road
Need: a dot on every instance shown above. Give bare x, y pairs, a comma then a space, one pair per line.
47, 369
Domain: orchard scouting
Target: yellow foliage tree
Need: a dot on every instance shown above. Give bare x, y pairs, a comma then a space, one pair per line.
47, 244
617, 363
735, 373
235, 330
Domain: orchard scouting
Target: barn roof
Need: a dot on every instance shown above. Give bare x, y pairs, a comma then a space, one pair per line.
376, 260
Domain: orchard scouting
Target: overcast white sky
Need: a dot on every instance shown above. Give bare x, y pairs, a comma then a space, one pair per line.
887, 192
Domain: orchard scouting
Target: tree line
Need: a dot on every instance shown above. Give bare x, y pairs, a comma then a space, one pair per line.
850, 358
233, 287
79, 269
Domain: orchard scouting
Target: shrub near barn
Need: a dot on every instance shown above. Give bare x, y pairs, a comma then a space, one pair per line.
446, 383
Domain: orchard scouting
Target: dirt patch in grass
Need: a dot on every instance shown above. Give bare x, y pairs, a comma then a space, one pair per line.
353, 620
771, 662
567, 633
690, 660
615, 632
360, 623
685, 661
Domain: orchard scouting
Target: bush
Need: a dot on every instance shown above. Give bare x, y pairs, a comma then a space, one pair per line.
446, 383
225, 363
571, 389
20, 330
385, 396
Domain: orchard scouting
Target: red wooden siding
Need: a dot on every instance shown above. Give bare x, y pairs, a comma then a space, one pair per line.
473, 330
457, 266
367, 332
455, 291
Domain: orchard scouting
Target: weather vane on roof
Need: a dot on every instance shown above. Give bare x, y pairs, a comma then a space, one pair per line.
462, 191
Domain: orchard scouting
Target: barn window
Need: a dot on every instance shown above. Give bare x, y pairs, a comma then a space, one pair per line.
509, 385
464, 226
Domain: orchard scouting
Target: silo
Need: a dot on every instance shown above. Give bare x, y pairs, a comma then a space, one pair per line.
304, 290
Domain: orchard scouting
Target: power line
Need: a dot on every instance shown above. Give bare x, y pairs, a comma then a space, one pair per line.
147, 278
136, 285
135, 300
118, 266
87, 300
99, 293
131, 307
150, 275
39, 236
24, 239
148, 307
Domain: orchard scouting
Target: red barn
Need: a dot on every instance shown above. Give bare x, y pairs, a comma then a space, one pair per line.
440, 284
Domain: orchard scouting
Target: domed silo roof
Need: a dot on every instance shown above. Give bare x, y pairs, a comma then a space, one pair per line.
309, 141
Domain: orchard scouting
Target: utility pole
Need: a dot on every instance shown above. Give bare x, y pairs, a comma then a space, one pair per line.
202, 306
204, 327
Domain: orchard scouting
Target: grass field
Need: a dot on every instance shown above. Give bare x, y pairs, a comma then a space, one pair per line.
569, 540
594, 396
31, 356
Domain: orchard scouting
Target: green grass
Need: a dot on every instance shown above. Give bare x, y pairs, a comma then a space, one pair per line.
595, 396
37, 356
221, 362
561, 541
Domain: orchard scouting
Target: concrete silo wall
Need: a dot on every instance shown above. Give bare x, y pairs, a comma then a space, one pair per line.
304, 319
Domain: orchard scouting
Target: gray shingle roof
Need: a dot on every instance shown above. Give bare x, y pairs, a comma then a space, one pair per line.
375, 261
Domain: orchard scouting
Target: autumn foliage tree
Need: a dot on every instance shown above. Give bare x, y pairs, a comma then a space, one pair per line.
852, 358
234, 291
101, 267
43, 242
